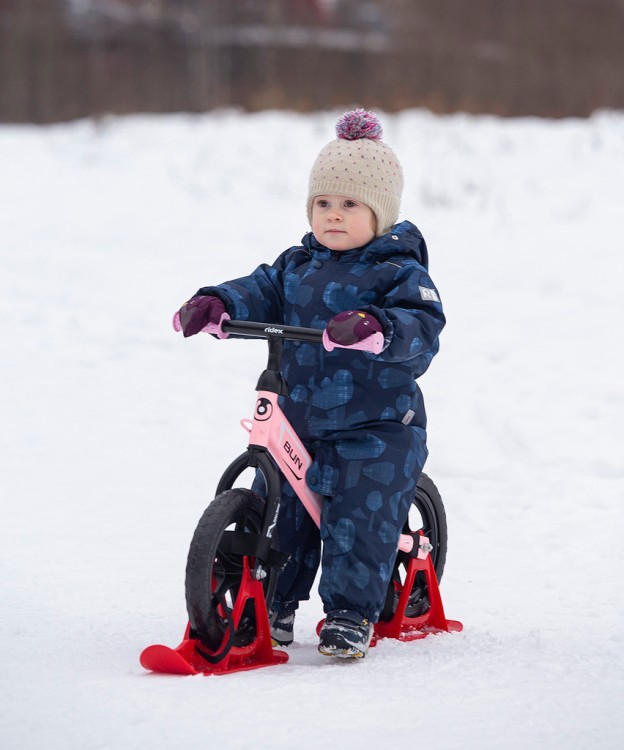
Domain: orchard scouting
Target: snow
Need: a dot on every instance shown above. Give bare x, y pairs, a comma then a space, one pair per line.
115, 431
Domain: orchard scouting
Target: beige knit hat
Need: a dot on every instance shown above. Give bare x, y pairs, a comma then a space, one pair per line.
357, 164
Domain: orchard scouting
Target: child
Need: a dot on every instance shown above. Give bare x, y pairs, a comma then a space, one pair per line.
360, 415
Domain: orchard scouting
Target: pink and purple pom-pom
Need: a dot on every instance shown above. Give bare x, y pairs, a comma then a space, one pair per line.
359, 124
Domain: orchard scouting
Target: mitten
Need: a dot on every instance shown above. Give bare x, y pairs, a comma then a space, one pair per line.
197, 313
353, 327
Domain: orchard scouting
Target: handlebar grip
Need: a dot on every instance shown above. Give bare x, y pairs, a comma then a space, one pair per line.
217, 328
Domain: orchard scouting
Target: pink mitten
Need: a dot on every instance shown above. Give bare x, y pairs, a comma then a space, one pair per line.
354, 329
200, 311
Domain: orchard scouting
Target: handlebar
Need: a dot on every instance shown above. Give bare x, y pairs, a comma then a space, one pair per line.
373, 344
264, 331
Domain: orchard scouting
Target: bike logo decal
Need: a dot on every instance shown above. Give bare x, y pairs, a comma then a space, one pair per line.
271, 329
273, 522
264, 410
298, 463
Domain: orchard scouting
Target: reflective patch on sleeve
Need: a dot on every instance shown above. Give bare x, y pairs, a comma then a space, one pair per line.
409, 415
428, 294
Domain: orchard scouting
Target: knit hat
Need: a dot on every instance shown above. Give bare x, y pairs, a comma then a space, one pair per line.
357, 164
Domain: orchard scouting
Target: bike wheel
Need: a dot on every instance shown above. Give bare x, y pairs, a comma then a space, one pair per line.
427, 514
213, 572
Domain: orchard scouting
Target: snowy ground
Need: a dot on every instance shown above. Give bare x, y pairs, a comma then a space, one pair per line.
115, 431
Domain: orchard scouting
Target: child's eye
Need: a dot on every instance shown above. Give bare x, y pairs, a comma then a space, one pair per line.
350, 204
322, 203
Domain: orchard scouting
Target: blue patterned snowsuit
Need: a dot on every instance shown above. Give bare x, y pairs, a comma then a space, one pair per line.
360, 415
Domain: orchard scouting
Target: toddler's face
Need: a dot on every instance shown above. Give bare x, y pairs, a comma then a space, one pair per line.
342, 223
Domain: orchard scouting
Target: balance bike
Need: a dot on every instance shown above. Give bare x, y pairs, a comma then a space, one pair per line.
233, 560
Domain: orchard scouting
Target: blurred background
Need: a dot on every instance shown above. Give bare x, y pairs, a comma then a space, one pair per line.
67, 59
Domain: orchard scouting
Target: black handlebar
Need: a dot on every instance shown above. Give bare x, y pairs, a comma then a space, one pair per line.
266, 331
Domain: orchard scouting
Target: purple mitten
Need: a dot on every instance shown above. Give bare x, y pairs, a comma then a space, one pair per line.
352, 327
199, 312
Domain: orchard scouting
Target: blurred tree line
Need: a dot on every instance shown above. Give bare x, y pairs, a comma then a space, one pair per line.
62, 59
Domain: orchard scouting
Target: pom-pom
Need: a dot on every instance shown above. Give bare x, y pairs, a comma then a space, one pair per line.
359, 124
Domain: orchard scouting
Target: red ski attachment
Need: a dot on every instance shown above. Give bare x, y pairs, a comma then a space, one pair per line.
187, 658
404, 628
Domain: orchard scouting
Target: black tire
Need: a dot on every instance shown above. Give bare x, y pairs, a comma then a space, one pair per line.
427, 514
213, 575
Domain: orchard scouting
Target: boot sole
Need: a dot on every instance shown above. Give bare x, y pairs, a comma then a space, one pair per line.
341, 653
281, 644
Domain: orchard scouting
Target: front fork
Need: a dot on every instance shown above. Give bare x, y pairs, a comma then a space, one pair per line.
257, 457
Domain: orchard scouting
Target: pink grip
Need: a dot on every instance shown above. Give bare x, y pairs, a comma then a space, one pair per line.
216, 327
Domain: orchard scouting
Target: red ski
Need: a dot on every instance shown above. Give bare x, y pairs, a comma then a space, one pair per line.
193, 657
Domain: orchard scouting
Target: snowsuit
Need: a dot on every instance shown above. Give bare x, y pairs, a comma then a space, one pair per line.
360, 415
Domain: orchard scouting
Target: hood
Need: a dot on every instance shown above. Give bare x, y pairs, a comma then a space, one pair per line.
403, 239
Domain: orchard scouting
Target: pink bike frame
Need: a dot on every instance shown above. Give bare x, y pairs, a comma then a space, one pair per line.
270, 429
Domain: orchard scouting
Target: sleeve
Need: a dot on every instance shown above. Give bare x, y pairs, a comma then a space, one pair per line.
258, 297
411, 316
